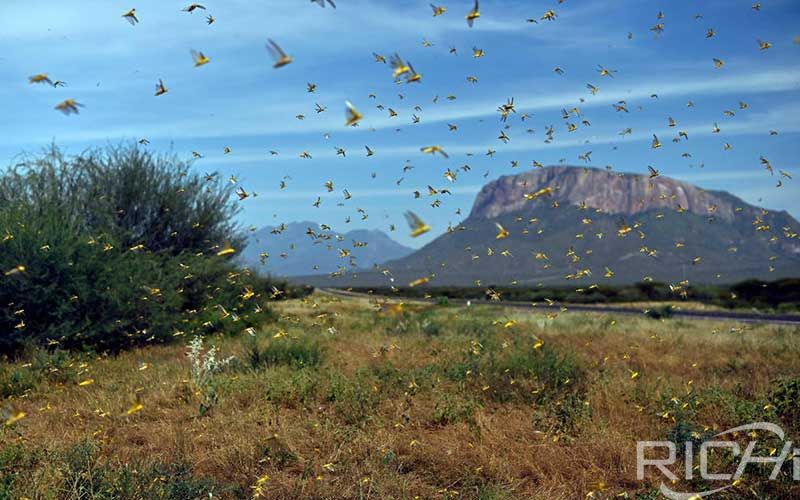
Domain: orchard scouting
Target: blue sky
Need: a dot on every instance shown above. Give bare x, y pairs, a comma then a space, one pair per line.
239, 101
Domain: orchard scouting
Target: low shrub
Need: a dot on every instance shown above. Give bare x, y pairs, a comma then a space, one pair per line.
549, 377
352, 396
786, 399
79, 473
453, 408
16, 460
660, 312
289, 387
15, 382
303, 351
734, 408
84, 476
411, 322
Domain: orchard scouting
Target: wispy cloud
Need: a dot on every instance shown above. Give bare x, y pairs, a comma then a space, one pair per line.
249, 121
357, 193
240, 101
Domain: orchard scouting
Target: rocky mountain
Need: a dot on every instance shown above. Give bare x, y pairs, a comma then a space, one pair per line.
302, 248
607, 191
575, 225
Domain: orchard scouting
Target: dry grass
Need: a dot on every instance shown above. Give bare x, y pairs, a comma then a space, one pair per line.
429, 402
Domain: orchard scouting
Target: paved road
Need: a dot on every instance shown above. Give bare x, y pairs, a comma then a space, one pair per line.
737, 316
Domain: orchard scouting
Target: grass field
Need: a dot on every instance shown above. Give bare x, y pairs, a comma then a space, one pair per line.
352, 399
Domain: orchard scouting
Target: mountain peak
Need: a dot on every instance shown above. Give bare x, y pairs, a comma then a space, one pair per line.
604, 190
677, 232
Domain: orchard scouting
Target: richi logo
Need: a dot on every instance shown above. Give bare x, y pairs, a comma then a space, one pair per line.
777, 458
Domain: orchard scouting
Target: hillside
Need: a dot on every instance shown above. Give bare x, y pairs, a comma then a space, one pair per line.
599, 226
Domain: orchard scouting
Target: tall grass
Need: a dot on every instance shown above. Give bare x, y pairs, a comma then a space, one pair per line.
498, 404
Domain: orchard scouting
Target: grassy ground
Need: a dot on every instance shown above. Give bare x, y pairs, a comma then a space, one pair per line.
351, 399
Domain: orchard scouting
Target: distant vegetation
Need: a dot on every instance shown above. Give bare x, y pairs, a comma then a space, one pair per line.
118, 247
781, 295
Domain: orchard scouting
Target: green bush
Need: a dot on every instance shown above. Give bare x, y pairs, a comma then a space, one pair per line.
352, 396
290, 387
85, 476
425, 322
453, 408
550, 378
295, 352
129, 194
733, 406
547, 365
117, 248
79, 473
786, 399
15, 382
661, 312
16, 460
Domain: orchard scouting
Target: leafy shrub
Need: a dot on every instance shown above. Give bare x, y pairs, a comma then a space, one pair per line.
769, 294
15, 462
56, 366
15, 382
352, 396
548, 377
531, 374
412, 322
453, 408
85, 476
301, 351
788, 307
117, 248
291, 387
733, 407
129, 194
394, 380
568, 411
547, 365
786, 399
661, 312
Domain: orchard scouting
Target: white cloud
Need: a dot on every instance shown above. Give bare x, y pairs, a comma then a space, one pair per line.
244, 118
357, 193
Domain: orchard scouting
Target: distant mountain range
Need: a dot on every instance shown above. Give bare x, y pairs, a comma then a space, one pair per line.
575, 225
303, 248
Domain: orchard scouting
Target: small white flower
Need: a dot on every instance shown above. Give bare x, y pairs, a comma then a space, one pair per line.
204, 365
